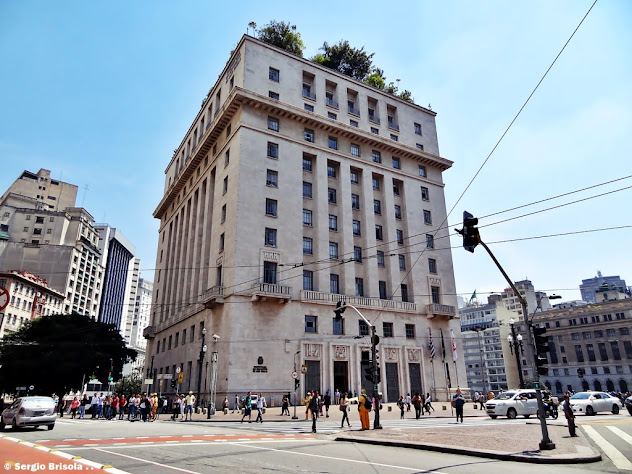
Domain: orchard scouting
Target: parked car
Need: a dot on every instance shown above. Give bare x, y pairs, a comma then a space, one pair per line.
593, 402
628, 404
512, 404
29, 411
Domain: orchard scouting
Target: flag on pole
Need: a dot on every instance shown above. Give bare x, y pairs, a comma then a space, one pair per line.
442, 346
431, 344
454, 353
473, 297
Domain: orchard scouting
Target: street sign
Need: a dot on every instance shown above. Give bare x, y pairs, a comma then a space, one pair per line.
181, 377
178, 370
4, 298
148, 381
31, 387
303, 369
167, 376
295, 374
536, 385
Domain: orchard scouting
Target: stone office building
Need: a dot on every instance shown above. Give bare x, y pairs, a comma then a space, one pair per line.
296, 187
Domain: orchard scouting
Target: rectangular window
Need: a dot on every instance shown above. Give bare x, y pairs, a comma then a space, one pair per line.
273, 150
363, 328
377, 206
591, 352
422, 171
382, 289
221, 242
271, 207
398, 211
227, 158
332, 116
427, 217
308, 246
307, 189
308, 135
425, 195
270, 273
429, 241
435, 295
410, 331
273, 95
333, 250
307, 164
353, 123
273, 124
387, 329
417, 129
400, 236
376, 183
308, 107
331, 196
307, 217
333, 222
627, 345
359, 287
355, 150
614, 347
355, 179
225, 184
334, 284
419, 146
404, 289
273, 74
333, 143
338, 327
377, 156
394, 137
579, 353
308, 280
432, 265
310, 324
402, 262
356, 227
380, 258
375, 131
397, 164
270, 237
223, 213
331, 171
272, 178
396, 188
357, 254
378, 232
355, 202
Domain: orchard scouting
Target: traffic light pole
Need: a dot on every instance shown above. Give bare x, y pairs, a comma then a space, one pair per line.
545, 443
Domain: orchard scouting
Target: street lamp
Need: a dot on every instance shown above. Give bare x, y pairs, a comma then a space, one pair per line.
515, 345
211, 406
202, 353
295, 400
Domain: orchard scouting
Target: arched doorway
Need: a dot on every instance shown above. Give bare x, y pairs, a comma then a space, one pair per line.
558, 387
548, 385
609, 385
585, 386
597, 386
623, 386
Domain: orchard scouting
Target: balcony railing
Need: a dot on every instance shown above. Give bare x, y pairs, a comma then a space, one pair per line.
393, 125
309, 94
352, 110
331, 102
358, 301
374, 119
214, 294
434, 309
262, 291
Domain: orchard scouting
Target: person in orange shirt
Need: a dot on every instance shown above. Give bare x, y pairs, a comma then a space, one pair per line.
364, 400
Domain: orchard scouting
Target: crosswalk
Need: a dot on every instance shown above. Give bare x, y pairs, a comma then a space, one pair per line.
614, 441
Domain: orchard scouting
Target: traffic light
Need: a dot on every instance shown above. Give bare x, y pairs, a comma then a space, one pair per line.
111, 379
471, 237
173, 384
340, 308
541, 348
379, 375
297, 384
368, 374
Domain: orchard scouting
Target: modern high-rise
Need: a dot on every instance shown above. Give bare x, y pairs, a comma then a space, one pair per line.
294, 188
591, 286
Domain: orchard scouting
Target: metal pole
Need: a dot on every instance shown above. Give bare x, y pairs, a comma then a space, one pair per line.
211, 406
376, 422
545, 443
480, 353
200, 360
295, 417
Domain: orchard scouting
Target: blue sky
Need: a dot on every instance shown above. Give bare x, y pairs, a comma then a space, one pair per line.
101, 94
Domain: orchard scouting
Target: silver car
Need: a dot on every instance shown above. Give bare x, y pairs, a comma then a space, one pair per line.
29, 411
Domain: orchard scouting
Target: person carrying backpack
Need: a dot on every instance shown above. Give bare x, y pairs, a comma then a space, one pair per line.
314, 406
364, 407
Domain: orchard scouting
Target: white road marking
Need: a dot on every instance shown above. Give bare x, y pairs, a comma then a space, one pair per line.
146, 461
617, 458
621, 434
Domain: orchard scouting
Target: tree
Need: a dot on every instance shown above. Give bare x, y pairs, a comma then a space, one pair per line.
54, 353
352, 62
132, 383
376, 79
282, 35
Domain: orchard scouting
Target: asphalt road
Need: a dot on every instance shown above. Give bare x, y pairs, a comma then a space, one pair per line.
201, 447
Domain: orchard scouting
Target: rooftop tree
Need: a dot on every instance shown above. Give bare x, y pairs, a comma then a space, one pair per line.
282, 35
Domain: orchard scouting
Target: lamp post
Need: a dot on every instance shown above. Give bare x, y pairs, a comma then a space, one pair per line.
200, 360
295, 400
478, 330
515, 344
214, 356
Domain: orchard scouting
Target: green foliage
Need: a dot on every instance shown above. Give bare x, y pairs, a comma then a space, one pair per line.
53, 353
352, 62
282, 35
406, 95
376, 80
132, 383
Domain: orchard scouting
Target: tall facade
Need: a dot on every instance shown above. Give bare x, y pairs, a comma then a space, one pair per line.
294, 188
39, 190
591, 286
117, 256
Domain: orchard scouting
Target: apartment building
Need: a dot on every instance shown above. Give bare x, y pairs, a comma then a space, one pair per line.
294, 188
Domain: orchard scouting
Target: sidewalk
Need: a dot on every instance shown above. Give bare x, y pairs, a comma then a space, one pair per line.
511, 442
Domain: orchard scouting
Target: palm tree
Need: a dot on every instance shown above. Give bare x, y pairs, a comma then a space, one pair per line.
252, 25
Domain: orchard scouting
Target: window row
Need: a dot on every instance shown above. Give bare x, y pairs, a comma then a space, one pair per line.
338, 328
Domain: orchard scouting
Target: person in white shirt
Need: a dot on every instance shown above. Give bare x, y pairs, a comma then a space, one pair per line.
261, 404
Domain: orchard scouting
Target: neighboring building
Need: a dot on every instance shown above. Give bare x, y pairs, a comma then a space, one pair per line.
589, 287
130, 307
136, 324
294, 188
39, 188
117, 256
30, 298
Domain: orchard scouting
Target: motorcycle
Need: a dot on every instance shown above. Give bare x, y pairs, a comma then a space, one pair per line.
550, 410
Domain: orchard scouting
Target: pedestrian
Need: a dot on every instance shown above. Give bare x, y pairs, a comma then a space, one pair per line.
457, 402
85, 401
344, 408
236, 406
490, 395
225, 404
337, 396
175, 408
364, 407
428, 404
73, 407
315, 408
183, 406
285, 406
418, 404
190, 399
481, 400
261, 404
327, 402
94, 406
401, 403
101, 400
122, 405
107, 407
408, 401
247, 408
570, 416
145, 406
115, 406
154, 406
61, 405
306, 401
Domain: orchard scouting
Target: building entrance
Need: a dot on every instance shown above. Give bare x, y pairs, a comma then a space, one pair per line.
341, 376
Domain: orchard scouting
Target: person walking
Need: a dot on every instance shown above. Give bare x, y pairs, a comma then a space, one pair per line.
408, 401
314, 403
190, 401
247, 408
236, 405
482, 400
364, 407
457, 402
570, 416
428, 404
285, 406
401, 403
261, 404
418, 404
327, 402
337, 397
344, 408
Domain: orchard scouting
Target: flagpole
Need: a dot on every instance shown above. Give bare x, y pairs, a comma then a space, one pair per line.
434, 380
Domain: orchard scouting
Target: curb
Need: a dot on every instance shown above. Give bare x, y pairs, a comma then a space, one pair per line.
524, 456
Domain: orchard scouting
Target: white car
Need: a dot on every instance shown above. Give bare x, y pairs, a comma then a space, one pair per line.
29, 411
512, 404
593, 402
